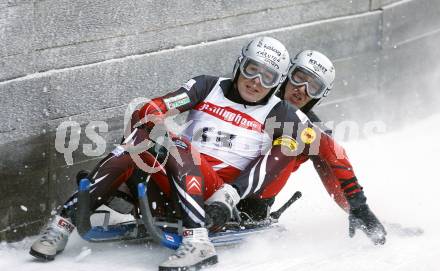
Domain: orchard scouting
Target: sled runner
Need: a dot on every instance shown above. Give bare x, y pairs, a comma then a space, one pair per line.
163, 231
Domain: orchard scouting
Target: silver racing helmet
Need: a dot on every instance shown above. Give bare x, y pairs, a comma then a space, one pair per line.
314, 70
265, 58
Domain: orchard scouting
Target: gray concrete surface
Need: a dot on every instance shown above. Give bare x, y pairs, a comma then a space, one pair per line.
86, 60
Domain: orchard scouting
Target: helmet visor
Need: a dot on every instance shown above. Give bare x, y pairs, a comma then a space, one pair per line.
250, 69
315, 87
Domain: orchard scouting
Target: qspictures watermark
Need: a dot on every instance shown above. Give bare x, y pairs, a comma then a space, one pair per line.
69, 133
68, 136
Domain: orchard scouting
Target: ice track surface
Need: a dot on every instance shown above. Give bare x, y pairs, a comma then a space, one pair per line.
399, 173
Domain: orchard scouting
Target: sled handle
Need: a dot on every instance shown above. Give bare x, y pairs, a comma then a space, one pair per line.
83, 211
279, 212
169, 240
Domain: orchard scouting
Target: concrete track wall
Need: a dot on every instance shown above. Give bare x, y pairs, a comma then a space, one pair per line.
86, 60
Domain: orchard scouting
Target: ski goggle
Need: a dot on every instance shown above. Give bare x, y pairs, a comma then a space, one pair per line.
315, 87
251, 69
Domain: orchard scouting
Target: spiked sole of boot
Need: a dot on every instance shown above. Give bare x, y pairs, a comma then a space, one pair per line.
206, 262
43, 257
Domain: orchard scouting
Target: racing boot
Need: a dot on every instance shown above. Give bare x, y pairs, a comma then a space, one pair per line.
53, 240
195, 252
220, 207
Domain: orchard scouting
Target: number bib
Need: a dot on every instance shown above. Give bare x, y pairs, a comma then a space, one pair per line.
227, 130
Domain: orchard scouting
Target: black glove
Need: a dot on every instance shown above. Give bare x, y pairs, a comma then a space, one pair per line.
364, 219
216, 216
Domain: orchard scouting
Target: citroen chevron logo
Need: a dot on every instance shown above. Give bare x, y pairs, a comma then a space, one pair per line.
194, 185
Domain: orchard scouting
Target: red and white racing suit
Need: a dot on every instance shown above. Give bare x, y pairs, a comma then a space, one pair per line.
332, 165
225, 140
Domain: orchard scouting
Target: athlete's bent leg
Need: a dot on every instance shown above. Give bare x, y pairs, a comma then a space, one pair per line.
107, 176
188, 176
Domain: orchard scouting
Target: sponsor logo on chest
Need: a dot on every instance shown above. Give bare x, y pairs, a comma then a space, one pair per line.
231, 116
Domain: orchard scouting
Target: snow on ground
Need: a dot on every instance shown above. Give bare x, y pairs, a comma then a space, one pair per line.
397, 171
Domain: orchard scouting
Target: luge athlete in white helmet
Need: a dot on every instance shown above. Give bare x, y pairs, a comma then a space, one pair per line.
310, 78
225, 133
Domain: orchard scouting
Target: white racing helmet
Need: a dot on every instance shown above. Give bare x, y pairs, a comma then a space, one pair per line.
265, 58
314, 70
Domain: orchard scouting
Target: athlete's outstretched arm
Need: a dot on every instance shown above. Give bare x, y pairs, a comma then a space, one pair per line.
185, 98
360, 215
330, 181
337, 173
